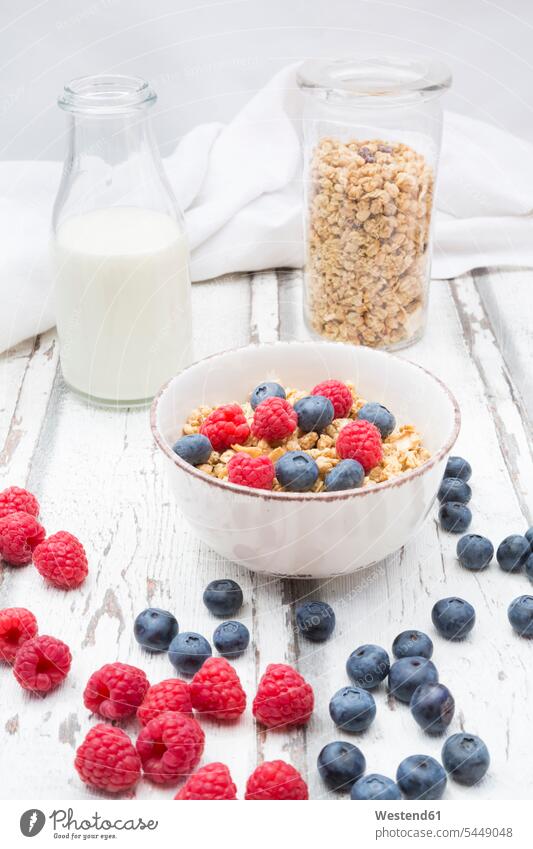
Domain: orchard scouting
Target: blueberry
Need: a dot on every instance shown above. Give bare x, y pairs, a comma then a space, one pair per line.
368, 666
513, 552
408, 673
266, 390
315, 413
453, 617
379, 416
188, 652
375, 786
315, 620
455, 517
433, 707
520, 613
296, 471
223, 597
194, 448
154, 629
412, 644
352, 709
421, 777
348, 474
231, 638
529, 536
474, 552
466, 758
454, 489
340, 764
529, 567
457, 467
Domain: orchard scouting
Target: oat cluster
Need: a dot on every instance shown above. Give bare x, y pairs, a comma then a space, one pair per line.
403, 450
368, 241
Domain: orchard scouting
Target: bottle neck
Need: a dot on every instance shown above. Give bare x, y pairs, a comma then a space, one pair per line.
112, 160
113, 140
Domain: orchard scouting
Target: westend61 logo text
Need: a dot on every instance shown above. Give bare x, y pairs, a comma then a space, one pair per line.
67, 826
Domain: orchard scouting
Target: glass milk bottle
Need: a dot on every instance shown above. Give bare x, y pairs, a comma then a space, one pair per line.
120, 254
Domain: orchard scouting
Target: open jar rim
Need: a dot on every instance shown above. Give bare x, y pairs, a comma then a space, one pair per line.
374, 79
106, 94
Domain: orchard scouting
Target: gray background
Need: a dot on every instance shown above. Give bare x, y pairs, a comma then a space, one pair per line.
206, 58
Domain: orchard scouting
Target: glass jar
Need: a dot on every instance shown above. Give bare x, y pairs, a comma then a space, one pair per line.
121, 259
372, 134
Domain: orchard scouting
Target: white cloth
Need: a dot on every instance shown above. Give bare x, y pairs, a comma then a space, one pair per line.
240, 188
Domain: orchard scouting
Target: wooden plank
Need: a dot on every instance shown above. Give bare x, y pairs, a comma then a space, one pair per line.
27, 373
276, 640
506, 297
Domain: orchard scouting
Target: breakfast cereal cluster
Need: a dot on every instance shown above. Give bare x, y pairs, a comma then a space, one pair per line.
332, 425
368, 233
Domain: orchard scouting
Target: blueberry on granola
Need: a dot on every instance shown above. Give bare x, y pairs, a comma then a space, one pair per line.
379, 416
315, 413
266, 390
195, 448
348, 474
296, 471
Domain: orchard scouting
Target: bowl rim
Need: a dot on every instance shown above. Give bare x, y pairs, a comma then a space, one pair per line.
268, 495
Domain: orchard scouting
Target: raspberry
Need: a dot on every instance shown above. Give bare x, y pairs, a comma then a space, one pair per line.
42, 663
17, 625
339, 395
170, 695
107, 760
274, 419
116, 690
276, 780
20, 533
360, 440
212, 781
217, 691
17, 500
61, 560
226, 426
283, 697
257, 472
170, 746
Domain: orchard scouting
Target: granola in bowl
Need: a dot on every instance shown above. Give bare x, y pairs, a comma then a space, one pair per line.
249, 439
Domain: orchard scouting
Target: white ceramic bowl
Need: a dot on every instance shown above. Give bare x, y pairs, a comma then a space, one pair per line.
305, 534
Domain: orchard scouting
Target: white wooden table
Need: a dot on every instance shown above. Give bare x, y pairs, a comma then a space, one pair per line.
97, 474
